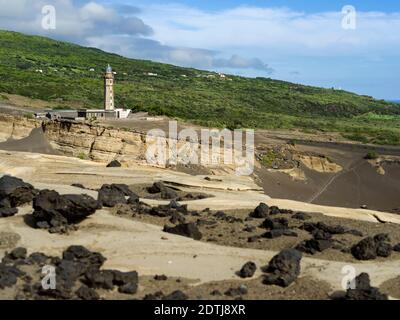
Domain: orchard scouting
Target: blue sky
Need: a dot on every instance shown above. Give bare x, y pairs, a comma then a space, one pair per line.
302, 5
299, 41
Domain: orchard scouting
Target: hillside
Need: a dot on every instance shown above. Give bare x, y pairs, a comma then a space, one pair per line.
60, 72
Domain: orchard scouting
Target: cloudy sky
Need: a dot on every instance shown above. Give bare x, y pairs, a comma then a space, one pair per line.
310, 41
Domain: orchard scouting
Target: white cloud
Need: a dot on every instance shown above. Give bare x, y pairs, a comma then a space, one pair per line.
240, 40
275, 30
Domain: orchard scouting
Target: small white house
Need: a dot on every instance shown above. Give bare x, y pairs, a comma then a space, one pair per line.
122, 113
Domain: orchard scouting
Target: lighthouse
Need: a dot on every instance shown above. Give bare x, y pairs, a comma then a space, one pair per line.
109, 89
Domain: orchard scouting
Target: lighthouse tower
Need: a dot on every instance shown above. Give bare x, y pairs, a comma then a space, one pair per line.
109, 89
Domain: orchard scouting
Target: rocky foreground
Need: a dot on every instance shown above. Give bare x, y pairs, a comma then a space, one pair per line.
80, 273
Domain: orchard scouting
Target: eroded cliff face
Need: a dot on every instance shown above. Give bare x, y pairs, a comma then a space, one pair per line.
104, 144
16, 127
95, 142
78, 139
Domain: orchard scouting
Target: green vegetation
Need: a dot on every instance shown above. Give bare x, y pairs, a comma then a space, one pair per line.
29, 115
371, 156
3, 97
82, 156
269, 158
62, 73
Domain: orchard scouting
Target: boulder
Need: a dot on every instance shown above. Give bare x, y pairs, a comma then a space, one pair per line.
166, 193
86, 293
284, 268
248, 270
55, 210
189, 230
365, 249
371, 248
111, 195
8, 212
8, 276
16, 191
262, 211
276, 223
363, 290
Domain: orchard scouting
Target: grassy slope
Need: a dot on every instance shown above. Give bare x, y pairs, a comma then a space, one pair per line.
242, 102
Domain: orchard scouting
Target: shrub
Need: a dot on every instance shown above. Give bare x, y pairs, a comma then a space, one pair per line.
371, 156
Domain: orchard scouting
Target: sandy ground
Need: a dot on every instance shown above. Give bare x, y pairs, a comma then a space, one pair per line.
201, 266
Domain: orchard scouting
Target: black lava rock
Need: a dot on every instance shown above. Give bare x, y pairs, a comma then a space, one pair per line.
111, 195
129, 288
284, 268
166, 192
8, 212
301, 216
86, 293
233, 292
55, 210
17, 254
365, 249
262, 211
189, 230
370, 248
247, 270
363, 290
15, 191
114, 164
176, 295
276, 223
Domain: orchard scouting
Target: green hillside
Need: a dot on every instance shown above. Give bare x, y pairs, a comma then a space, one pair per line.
59, 72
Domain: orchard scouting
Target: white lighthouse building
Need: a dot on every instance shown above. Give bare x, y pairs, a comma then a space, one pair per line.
109, 89
108, 112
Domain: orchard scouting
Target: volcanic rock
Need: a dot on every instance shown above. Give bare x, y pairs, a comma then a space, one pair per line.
176, 295
363, 290
276, 223
17, 253
369, 248
262, 211
166, 192
232, 292
111, 195
129, 288
8, 212
247, 270
16, 191
55, 210
301, 216
284, 268
86, 293
114, 164
189, 230
274, 210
